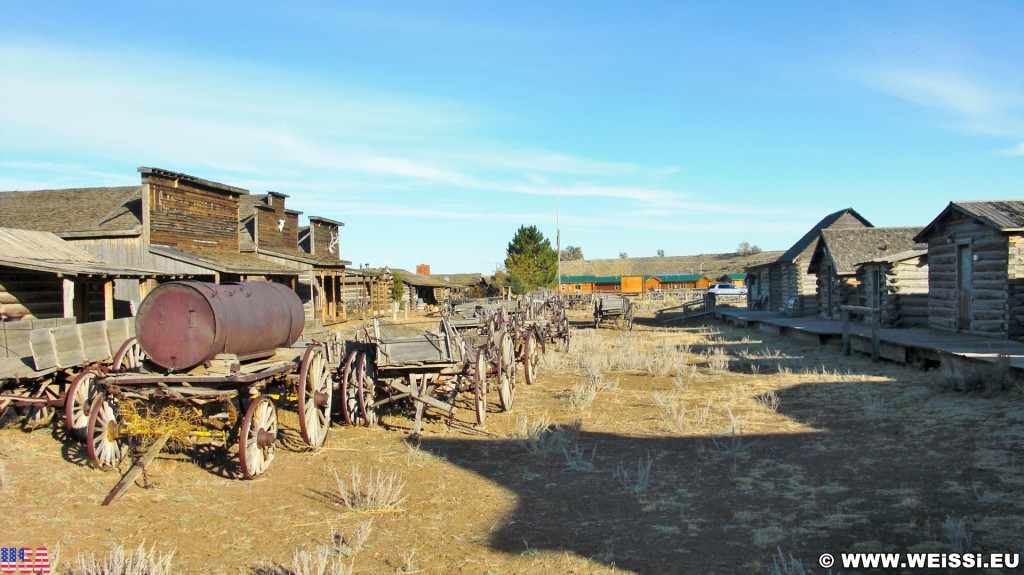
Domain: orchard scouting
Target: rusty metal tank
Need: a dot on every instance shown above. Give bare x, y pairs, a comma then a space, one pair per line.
181, 324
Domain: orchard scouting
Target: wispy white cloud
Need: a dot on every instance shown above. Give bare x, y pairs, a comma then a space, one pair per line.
970, 101
1017, 150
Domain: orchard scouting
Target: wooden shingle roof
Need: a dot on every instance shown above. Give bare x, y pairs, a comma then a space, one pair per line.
45, 252
814, 233
850, 246
1003, 215
223, 261
76, 212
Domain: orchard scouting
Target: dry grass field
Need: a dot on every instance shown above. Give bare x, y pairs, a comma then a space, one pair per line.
690, 449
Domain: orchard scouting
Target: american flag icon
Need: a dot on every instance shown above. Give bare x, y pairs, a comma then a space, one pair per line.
24, 561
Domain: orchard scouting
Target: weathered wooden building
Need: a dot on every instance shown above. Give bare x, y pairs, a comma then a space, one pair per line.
271, 231
897, 285
172, 223
321, 239
785, 285
835, 258
43, 277
976, 268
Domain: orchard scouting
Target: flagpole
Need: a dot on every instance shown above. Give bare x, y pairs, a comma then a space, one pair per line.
558, 235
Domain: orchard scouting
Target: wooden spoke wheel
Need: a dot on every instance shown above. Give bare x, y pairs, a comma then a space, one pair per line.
597, 314
78, 401
531, 355
506, 372
366, 390
103, 443
349, 389
257, 436
315, 392
566, 335
480, 388
129, 357
629, 316
39, 413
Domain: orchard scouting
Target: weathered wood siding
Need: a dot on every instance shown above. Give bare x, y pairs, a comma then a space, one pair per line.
321, 236
1015, 285
186, 214
903, 299
776, 273
989, 305
122, 251
845, 290
269, 234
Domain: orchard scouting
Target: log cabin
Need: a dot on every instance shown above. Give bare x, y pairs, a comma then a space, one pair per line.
897, 285
785, 284
835, 259
45, 277
976, 268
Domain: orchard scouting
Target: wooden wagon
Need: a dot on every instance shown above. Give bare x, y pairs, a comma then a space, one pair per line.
230, 399
615, 309
47, 367
429, 368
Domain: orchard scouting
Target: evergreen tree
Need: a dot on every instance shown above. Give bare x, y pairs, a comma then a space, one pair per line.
531, 261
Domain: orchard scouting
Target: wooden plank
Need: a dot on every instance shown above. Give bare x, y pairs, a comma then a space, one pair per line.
95, 344
43, 348
137, 469
118, 331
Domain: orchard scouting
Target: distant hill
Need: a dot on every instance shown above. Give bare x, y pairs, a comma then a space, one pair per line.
714, 265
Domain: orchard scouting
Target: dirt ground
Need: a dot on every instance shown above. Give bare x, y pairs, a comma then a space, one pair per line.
685, 449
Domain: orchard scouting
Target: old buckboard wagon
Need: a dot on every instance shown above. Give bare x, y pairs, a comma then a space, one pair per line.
211, 363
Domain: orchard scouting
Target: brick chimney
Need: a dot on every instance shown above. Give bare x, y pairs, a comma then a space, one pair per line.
423, 269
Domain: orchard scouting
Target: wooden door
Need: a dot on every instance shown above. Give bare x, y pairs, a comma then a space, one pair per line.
962, 297
876, 279
829, 286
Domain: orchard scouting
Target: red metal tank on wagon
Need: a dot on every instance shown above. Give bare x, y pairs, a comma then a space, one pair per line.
184, 323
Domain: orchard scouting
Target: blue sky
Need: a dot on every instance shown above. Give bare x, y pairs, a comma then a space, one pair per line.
435, 129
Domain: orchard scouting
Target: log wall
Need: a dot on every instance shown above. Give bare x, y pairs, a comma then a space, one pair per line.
27, 295
990, 306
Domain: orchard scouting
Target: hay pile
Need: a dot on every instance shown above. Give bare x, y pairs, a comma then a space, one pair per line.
148, 422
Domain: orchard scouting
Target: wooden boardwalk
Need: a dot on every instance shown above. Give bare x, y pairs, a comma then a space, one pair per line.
910, 345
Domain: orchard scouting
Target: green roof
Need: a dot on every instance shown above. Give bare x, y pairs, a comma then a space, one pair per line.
591, 279
735, 277
681, 278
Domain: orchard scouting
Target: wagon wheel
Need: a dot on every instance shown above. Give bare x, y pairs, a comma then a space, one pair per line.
103, 443
597, 314
629, 317
129, 357
365, 391
531, 354
257, 436
506, 372
41, 414
314, 397
79, 398
480, 388
349, 387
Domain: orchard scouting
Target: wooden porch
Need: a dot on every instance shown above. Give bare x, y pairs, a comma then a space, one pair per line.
920, 346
